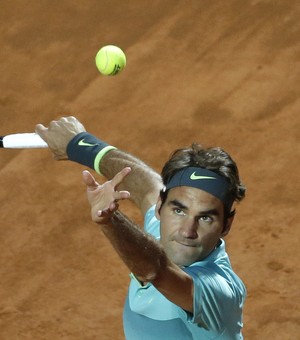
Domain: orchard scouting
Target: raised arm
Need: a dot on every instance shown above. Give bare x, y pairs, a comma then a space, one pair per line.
143, 182
141, 253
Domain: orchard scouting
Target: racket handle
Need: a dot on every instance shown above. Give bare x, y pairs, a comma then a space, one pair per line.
22, 141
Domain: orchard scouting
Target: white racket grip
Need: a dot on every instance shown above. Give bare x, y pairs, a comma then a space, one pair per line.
23, 141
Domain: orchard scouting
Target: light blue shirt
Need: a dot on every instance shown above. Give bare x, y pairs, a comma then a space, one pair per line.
219, 295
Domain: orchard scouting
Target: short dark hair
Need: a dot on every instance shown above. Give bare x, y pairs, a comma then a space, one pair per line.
211, 158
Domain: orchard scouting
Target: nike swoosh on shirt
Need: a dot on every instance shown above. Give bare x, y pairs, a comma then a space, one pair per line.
195, 177
83, 143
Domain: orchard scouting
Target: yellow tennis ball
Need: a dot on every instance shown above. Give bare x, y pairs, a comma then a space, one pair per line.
110, 60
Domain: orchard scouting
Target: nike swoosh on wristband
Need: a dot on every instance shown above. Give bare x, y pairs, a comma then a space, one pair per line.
195, 177
83, 143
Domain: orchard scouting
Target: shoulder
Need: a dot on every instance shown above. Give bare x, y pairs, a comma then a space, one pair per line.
215, 272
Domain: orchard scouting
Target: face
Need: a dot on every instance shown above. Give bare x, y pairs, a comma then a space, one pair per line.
191, 222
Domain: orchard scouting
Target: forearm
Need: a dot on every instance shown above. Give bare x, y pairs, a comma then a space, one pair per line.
141, 253
143, 182
115, 160
106, 159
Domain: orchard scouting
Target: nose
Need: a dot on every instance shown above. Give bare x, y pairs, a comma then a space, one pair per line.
189, 229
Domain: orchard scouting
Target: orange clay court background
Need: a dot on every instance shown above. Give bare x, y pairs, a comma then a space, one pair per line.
218, 72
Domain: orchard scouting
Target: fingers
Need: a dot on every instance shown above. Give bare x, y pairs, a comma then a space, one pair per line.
92, 184
103, 216
122, 195
118, 178
89, 180
109, 211
41, 130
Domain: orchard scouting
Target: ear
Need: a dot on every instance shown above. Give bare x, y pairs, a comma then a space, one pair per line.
157, 208
227, 225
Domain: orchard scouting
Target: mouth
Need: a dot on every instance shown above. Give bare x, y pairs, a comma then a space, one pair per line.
185, 244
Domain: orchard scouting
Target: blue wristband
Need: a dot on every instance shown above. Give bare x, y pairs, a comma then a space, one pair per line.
87, 150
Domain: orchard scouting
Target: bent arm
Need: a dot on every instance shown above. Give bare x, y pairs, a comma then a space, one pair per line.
142, 254
143, 183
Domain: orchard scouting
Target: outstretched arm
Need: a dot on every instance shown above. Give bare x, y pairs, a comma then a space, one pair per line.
143, 183
141, 253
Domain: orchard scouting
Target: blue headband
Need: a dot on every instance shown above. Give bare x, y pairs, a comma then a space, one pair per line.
203, 179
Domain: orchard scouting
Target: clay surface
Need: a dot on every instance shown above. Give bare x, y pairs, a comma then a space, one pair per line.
217, 72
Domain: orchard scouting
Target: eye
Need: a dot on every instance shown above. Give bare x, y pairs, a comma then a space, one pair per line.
178, 211
206, 218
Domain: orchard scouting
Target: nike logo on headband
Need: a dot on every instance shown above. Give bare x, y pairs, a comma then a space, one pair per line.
195, 177
83, 143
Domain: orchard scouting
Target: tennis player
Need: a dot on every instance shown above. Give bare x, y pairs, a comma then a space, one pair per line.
182, 284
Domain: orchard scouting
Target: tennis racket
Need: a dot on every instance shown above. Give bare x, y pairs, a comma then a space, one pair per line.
22, 141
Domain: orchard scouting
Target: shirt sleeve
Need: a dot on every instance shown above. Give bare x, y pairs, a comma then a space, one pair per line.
214, 298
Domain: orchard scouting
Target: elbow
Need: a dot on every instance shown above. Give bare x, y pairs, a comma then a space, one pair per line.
153, 271
146, 277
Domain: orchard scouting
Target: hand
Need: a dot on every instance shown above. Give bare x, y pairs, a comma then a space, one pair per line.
103, 198
59, 133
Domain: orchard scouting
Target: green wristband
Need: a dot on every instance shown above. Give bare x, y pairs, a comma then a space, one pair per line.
100, 155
